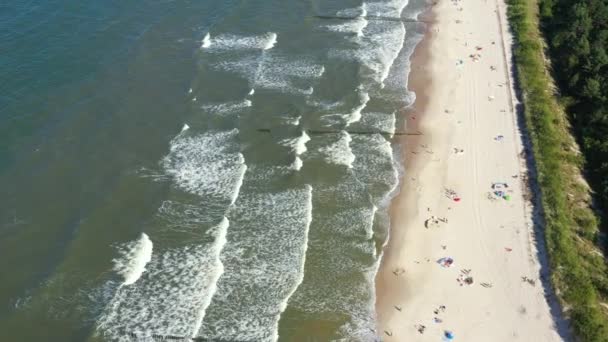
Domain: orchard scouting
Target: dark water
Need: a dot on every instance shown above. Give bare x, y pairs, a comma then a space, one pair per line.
213, 169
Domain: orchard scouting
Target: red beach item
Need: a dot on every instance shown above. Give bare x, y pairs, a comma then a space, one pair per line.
456, 199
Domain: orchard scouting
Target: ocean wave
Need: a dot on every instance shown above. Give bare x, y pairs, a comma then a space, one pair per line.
226, 108
343, 255
170, 299
206, 41
339, 152
266, 249
341, 117
378, 122
344, 242
207, 164
246, 66
378, 49
355, 114
297, 164
224, 42
356, 25
375, 161
274, 72
239, 180
272, 40
297, 144
133, 259
279, 73
291, 120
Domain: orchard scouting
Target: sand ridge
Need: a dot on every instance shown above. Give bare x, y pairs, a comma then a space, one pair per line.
462, 197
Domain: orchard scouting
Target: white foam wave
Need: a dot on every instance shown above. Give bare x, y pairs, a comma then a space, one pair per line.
355, 115
402, 65
206, 41
370, 227
241, 177
379, 122
297, 164
246, 66
300, 146
207, 165
295, 68
340, 253
387, 37
224, 42
272, 40
292, 121
297, 144
274, 72
133, 259
356, 25
320, 71
220, 242
344, 242
171, 298
280, 73
363, 20
379, 48
388, 42
279, 83
227, 107
265, 250
340, 152
324, 105
304, 248
376, 161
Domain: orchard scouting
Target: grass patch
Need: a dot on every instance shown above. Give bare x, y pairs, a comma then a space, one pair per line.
571, 228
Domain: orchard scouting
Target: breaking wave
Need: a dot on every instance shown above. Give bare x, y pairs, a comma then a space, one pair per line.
133, 259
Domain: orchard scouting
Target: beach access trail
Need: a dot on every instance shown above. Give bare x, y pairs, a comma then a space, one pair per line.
462, 256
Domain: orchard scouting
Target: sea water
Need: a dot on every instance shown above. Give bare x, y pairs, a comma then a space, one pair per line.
217, 170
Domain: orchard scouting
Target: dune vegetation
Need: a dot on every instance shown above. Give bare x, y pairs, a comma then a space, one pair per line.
578, 269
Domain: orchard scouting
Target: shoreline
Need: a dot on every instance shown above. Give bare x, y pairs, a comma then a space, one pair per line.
454, 115
418, 82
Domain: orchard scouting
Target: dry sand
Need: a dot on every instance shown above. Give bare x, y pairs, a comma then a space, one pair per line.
488, 235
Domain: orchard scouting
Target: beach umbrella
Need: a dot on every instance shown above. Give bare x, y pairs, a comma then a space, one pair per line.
449, 335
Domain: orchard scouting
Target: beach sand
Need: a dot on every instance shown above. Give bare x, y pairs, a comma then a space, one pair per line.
471, 140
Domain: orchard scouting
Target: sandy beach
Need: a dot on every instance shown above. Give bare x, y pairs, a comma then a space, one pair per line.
462, 255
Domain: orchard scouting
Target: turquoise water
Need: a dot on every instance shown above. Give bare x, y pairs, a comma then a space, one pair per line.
216, 170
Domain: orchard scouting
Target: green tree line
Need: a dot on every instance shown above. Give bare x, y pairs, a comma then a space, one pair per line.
577, 34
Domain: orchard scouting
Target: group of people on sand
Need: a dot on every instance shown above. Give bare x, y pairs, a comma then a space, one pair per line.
500, 190
434, 221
